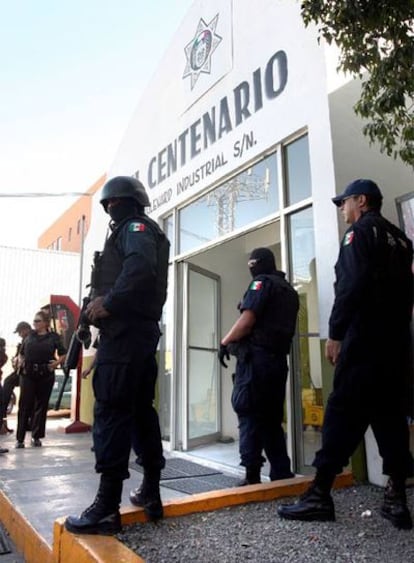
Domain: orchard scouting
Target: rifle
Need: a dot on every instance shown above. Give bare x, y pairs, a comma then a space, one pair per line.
71, 362
81, 335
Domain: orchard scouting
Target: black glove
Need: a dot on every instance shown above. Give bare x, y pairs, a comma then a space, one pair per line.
223, 353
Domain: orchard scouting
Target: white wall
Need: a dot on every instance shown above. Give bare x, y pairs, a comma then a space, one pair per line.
28, 278
248, 35
251, 34
355, 158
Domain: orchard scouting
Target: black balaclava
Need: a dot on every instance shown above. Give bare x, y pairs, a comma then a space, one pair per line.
264, 262
126, 207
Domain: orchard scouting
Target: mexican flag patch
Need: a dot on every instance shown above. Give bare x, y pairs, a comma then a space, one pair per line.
348, 238
136, 227
256, 285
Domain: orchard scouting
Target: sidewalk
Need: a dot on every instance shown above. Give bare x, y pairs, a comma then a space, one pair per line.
57, 479
39, 487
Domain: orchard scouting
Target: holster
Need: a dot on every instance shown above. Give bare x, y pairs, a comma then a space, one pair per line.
240, 349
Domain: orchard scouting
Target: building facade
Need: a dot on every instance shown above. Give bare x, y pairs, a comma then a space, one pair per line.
242, 138
69, 230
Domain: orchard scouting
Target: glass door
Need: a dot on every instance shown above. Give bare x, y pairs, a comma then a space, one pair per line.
200, 365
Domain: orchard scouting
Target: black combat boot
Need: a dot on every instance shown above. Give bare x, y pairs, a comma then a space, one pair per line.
3, 428
148, 495
103, 516
278, 475
315, 504
394, 507
252, 476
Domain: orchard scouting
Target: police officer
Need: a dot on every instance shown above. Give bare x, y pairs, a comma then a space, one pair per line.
261, 339
131, 285
23, 329
3, 360
369, 346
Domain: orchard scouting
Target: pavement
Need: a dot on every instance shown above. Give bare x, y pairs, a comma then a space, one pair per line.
57, 479
40, 486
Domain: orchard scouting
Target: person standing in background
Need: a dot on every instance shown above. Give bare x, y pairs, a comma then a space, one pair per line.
11, 381
3, 361
42, 351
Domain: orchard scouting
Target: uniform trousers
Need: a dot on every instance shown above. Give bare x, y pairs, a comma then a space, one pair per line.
9, 384
33, 404
369, 389
124, 387
258, 400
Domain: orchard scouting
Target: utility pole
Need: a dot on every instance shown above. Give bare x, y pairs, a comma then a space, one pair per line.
82, 233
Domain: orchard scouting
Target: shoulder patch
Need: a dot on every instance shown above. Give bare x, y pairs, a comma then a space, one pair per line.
256, 285
136, 227
348, 238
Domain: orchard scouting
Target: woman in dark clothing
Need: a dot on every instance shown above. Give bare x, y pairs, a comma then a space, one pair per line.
42, 352
3, 361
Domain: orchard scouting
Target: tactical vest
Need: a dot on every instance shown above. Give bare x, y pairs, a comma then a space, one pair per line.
275, 327
149, 301
392, 260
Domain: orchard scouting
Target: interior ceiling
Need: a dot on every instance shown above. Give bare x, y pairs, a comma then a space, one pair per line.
241, 245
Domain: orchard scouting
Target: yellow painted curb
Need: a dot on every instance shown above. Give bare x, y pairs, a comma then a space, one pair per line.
69, 547
27, 541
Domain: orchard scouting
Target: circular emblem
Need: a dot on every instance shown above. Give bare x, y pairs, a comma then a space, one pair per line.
201, 49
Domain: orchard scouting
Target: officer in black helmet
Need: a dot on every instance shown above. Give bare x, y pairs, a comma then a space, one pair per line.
261, 339
131, 284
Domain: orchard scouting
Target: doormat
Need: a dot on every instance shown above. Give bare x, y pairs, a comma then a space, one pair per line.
202, 484
177, 468
4, 542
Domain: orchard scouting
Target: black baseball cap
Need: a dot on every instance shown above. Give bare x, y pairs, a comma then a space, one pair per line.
22, 325
358, 187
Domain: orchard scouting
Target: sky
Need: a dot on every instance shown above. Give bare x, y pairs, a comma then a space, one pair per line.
71, 75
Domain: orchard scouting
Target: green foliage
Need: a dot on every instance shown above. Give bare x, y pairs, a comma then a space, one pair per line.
376, 41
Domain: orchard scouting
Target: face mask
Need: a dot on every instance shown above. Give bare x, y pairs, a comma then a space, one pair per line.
261, 261
121, 210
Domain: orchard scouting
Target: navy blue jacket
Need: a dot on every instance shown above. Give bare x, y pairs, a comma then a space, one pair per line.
374, 281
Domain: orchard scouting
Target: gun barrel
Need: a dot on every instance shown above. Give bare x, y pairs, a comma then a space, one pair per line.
73, 353
62, 389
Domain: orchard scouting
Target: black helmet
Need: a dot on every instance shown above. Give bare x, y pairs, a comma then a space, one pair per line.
122, 187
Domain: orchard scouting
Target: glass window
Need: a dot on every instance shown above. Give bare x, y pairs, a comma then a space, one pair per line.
165, 362
405, 208
308, 354
168, 227
302, 245
247, 197
297, 171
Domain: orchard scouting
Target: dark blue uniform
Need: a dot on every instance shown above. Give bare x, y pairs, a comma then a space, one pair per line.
261, 372
132, 274
371, 316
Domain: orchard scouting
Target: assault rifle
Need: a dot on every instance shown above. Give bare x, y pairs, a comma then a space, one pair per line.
81, 335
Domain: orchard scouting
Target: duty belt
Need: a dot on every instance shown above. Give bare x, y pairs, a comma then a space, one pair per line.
37, 367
